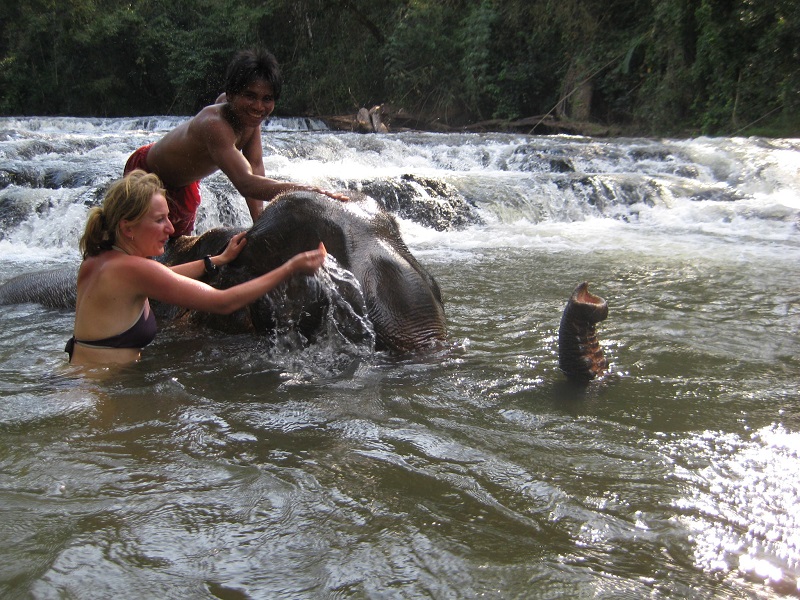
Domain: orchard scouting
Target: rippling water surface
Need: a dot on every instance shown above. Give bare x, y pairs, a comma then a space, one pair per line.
221, 466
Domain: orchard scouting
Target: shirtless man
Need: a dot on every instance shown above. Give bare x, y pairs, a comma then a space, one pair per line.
224, 136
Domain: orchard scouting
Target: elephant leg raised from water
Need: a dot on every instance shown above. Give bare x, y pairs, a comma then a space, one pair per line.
580, 356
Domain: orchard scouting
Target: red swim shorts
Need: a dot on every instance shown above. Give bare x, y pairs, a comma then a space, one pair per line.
182, 201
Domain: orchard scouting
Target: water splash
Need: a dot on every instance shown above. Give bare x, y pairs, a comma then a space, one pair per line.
344, 337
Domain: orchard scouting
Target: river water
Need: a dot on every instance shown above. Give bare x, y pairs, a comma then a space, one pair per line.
226, 467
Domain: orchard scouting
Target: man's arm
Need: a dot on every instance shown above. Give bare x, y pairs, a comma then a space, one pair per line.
220, 142
253, 151
245, 169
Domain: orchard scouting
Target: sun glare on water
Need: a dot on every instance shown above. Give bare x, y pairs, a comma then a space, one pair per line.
745, 515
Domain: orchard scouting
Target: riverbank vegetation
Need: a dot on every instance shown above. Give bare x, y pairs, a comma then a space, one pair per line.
673, 67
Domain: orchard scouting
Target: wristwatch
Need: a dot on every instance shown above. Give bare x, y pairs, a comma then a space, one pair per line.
211, 268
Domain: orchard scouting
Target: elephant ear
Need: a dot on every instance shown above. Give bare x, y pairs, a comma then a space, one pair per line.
292, 223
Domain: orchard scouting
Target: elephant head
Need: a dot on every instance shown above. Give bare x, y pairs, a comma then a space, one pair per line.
400, 298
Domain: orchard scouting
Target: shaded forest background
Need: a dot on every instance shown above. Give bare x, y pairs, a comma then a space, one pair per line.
647, 66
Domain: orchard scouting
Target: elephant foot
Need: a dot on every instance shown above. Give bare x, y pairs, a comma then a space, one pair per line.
580, 356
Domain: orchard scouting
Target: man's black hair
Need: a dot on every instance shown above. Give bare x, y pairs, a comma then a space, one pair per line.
250, 65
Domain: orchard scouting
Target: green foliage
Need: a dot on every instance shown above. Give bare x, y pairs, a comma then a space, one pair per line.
201, 36
475, 45
331, 54
658, 66
422, 60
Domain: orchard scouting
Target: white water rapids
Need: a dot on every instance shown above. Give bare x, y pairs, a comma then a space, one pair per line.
221, 467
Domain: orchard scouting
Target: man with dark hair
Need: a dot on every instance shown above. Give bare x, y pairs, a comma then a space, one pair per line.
249, 64
224, 136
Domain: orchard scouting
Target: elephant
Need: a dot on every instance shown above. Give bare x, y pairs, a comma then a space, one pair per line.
54, 288
398, 297
388, 297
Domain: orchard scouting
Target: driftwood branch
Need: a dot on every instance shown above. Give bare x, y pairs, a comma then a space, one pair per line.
384, 118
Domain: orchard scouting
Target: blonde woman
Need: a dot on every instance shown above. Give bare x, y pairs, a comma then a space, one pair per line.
113, 320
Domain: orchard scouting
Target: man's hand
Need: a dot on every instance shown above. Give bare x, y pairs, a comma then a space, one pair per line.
335, 195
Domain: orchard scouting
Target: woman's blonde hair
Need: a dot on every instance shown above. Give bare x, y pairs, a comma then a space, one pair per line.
127, 199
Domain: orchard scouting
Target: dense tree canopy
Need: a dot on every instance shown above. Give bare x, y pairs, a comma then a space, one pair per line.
652, 66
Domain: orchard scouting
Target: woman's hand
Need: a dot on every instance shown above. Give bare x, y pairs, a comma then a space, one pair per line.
234, 247
307, 262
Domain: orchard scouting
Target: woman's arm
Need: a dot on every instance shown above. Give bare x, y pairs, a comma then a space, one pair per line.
161, 283
197, 268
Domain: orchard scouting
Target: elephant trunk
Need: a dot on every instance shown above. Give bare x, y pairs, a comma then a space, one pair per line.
404, 304
410, 333
580, 356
